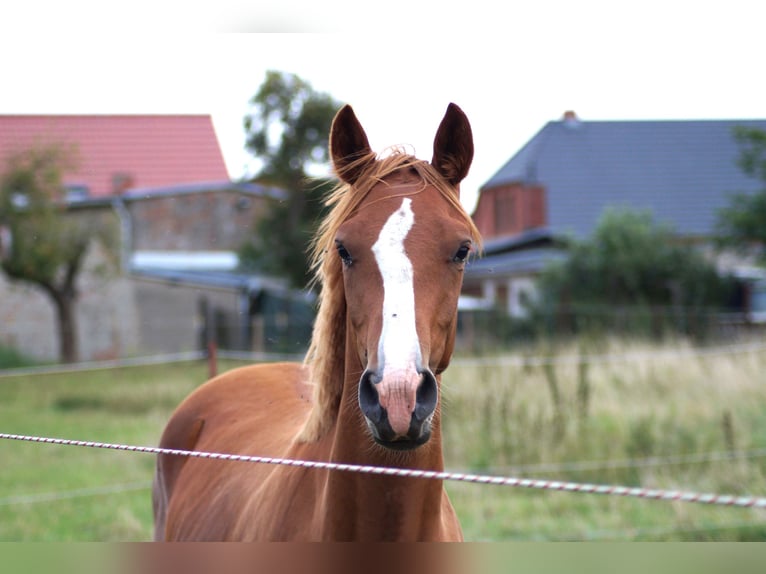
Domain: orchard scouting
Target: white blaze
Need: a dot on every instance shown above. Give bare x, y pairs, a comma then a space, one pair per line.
398, 348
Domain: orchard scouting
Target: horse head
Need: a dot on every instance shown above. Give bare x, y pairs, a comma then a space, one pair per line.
402, 250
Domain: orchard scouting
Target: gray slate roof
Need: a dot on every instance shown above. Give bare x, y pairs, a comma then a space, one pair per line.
516, 262
682, 171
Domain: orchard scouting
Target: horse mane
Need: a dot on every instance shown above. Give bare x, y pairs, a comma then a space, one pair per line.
325, 357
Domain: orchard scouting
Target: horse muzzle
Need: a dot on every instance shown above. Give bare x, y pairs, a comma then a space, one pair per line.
399, 406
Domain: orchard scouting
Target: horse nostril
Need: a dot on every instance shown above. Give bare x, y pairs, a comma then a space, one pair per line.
427, 396
369, 400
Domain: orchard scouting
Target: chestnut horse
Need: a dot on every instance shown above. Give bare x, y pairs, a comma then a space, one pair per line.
390, 259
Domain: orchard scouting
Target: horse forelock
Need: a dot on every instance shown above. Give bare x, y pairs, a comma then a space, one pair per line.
326, 354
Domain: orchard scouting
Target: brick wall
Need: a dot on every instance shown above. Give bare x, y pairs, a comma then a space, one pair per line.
205, 221
510, 209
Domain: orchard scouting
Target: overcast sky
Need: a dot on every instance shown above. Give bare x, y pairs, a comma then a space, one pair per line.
399, 64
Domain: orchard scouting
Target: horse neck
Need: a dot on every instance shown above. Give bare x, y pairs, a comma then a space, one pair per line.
371, 507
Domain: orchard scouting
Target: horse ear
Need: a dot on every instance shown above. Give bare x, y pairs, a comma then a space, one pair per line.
453, 146
349, 148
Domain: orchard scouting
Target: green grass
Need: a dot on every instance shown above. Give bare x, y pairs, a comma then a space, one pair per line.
122, 405
562, 422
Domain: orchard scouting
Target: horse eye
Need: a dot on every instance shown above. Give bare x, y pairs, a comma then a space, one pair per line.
344, 254
462, 253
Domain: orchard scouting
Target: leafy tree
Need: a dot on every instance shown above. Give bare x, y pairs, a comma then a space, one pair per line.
634, 267
287, 129
742, 224
43, 243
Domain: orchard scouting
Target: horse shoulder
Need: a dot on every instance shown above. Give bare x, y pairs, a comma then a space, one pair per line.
250, 410
240, 397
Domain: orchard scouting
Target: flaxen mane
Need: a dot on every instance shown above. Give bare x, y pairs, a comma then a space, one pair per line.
325, 356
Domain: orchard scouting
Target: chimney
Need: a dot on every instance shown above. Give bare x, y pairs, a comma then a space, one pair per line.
570, 119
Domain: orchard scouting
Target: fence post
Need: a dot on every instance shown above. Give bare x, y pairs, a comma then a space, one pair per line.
212, 358
208, 337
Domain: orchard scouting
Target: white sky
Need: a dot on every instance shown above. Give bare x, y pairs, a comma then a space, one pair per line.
510, 68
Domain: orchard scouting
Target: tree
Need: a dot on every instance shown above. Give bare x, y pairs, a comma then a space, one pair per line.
632, 267
742, 224
288, 129
43, 244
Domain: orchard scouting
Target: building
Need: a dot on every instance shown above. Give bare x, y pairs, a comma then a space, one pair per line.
558, 185
162, 182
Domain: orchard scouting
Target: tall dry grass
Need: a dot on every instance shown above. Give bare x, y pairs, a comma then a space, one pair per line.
616, 412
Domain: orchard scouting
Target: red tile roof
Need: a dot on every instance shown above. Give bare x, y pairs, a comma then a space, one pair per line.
152, 150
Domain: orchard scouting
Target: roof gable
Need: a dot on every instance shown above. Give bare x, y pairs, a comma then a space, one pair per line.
681, 171
142, 150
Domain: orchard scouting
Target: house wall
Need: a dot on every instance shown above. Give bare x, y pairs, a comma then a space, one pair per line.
509, 293
105, 311
170, 317
510, 209
203, 221
504, 211
27, 320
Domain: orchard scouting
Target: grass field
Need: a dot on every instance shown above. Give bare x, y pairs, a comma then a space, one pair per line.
659, 417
